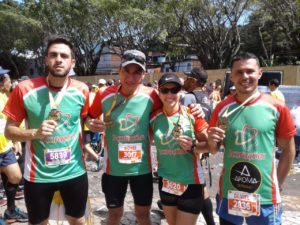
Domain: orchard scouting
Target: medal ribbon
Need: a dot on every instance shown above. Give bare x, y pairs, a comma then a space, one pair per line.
227, 114
114, 105
55, 103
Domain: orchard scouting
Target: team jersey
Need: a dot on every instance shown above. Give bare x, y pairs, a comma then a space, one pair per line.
5, 144
127, 140
250, 137
175, 164
58, 157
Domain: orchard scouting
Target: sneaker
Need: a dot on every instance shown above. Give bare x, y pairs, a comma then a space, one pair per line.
16, 216
3, 202
2, 222
19, 195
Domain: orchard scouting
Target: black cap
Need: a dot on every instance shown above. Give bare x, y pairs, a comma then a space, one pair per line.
169, 78
199, 74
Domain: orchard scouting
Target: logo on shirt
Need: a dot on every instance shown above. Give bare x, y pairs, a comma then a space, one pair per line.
246, 137
129, 123
167, 139
245, 176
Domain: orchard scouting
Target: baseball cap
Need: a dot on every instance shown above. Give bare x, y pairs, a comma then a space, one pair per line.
169, 78
199, 74
134, 57
3, 71
102, 81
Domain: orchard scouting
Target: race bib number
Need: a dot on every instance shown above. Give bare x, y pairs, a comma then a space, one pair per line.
58, 156
243, 204
173, 187
130, 153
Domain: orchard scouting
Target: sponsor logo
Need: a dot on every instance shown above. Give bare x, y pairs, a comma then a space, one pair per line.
245, 176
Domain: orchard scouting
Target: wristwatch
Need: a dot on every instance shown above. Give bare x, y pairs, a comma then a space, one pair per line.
193, 148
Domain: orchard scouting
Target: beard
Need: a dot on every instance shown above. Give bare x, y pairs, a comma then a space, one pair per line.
55, 73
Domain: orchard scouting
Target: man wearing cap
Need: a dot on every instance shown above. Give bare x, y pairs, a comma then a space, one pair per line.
126, 110
101, 83
9, 168
193, 84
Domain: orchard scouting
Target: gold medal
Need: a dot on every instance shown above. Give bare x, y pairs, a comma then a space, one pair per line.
177, 131
223, 123
108, 121
54, 114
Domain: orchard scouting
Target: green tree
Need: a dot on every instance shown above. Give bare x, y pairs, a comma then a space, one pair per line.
19, 36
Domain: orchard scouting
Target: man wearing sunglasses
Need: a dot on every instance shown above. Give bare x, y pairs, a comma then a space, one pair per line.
126, 109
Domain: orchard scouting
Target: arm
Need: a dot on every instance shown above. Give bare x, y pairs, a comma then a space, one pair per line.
285, 162
15, 133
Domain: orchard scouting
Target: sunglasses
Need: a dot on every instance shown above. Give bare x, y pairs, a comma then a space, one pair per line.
174, 90
129, 57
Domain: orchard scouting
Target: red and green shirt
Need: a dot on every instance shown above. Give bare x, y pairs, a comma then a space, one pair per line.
175, 164
127, 139
60, 156
249, 161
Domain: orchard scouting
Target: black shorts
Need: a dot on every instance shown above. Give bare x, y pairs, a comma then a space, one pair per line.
38, 198
115, 188
191, 201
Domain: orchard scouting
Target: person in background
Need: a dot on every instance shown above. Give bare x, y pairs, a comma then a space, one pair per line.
101, 83
175, 133
274, 88
232, 91
193, 85
250, 182
9, 168
215, 95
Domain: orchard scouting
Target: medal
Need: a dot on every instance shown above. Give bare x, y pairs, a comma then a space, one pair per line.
54, 114
108, 121
177, 131
223, 123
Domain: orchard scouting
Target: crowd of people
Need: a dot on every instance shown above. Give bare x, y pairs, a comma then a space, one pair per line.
62, 114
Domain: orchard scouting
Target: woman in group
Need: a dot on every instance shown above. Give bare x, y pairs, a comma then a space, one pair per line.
175, 131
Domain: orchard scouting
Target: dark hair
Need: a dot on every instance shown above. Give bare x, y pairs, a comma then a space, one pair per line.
244, 56
274, 82
60, 40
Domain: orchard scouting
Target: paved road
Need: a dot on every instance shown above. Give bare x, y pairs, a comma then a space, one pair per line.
291, 198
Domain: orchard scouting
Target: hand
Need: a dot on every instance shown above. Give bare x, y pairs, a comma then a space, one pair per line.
46, 129
96, 125
185, 142
17, 148
215, 134
196, 110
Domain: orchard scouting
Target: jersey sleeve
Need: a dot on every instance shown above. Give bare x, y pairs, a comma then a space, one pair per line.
285, 127
200, 124
96, 107
14, 108
157, 104
85, 108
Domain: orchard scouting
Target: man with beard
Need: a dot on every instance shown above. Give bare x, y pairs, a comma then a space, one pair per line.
52, 107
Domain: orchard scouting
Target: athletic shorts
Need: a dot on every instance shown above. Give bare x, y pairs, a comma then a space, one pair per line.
38, 198
115, 188
7, 158
191, 201
269, 214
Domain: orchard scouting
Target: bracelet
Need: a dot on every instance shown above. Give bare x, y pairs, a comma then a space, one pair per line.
193, 148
